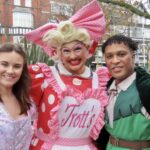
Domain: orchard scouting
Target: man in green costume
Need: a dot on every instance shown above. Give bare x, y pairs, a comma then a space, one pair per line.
128, 112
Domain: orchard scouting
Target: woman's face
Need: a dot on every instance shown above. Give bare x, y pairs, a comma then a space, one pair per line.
11, 66
73, 56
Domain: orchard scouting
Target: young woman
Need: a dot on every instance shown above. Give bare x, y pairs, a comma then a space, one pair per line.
69, 96
15, 111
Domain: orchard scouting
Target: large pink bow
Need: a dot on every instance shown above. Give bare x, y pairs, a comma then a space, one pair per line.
90, 17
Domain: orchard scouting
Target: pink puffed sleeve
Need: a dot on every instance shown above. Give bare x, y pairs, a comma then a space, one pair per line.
103, 75
37, 81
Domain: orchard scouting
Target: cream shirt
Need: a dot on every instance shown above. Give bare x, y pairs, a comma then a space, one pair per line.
114, 91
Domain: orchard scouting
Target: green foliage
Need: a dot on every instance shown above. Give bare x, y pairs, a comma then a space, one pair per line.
35, 53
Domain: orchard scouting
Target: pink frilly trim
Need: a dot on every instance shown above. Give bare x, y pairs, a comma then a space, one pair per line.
53, 123
99, 94
103, 77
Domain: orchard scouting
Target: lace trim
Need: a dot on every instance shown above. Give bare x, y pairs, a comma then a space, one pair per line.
103, 76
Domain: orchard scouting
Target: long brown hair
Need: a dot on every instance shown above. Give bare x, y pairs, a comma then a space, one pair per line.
21, 88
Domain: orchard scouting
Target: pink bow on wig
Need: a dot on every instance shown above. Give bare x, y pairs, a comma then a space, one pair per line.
89, 17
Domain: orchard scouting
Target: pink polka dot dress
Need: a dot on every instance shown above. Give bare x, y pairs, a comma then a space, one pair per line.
70, 107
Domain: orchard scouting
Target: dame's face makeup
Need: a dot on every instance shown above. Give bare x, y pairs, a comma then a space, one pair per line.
74, 56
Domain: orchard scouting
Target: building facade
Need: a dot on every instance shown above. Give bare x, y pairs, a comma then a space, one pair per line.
16, 18
20, 16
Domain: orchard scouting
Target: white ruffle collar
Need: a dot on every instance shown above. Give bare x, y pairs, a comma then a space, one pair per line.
86, 74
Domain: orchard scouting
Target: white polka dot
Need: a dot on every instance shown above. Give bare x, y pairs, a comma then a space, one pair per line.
50, 123
42, 87
43, 107
51, 99
40, 129
40, 75
45, 84
35, 67
34, 141
77, 81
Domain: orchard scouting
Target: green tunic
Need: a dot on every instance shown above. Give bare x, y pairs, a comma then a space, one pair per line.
129, 123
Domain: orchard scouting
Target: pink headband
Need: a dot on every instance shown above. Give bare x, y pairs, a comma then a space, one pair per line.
89, 17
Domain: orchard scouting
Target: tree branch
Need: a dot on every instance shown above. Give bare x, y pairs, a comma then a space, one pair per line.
127, 6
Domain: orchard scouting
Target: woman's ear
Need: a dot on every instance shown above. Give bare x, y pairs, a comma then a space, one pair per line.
56, 55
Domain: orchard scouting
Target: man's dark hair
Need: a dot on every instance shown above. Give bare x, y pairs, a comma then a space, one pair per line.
119, 39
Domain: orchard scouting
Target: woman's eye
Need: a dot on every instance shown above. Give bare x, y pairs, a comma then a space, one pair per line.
78, 48
4, 64
65, 50
17, 66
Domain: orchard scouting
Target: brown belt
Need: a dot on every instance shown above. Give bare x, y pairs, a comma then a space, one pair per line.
135, 145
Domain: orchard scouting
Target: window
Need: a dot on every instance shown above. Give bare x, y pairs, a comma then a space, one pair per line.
2, 30
55, 8
67, 10
61, 9
146, 6
28, 3
22, 19
17, 2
